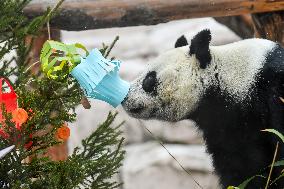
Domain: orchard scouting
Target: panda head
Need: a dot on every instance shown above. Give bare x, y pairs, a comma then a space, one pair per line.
174, 83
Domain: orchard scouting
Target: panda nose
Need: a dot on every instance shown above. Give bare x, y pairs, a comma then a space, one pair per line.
137, 109
132, 107
124, 100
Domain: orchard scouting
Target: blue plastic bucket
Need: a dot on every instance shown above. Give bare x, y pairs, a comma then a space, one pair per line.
99, 78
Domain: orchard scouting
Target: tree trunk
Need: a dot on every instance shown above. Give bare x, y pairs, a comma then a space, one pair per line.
270, 26
242, 25
58, 152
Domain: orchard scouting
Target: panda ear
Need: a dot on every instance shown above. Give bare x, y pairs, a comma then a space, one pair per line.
181, 41
200, 47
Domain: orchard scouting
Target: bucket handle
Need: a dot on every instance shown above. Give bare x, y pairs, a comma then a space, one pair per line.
8, 83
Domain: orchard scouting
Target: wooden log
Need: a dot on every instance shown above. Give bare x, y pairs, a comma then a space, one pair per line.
92, 14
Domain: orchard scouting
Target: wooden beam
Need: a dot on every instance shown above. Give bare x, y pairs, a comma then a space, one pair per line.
92, 14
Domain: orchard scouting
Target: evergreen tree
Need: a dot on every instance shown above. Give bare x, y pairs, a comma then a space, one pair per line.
49, 105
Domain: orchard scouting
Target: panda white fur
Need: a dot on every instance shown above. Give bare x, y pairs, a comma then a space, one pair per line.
232, 92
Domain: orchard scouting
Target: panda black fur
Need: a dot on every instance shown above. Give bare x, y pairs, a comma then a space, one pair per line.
231, 91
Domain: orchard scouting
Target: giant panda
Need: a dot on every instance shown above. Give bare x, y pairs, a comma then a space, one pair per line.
231, 91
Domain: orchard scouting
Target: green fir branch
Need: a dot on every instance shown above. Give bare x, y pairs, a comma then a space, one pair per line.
49, 105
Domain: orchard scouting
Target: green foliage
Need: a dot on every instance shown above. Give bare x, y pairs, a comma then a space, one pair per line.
279, 163
277, 133
244, 184
14, 27
92, 166
49, 105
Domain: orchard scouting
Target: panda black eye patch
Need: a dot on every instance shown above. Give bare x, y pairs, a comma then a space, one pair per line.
150, 82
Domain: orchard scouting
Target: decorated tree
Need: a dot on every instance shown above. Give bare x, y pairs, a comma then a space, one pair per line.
34, 113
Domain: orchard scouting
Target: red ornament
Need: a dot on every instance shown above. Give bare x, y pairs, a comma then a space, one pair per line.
9, 100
